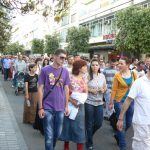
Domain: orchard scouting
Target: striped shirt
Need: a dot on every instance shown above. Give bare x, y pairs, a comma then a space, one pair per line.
109, 75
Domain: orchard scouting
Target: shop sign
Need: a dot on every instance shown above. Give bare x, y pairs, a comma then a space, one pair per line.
108, 36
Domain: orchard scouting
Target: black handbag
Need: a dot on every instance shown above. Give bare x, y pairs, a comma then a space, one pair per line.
38, 123
113, 121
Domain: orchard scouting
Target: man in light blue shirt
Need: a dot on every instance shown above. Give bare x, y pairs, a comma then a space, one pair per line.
6, 65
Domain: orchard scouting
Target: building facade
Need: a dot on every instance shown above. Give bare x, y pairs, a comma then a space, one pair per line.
98, 16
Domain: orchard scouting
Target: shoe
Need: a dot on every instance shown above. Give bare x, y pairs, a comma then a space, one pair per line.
12, 86
90, 148
116, 138
106, 118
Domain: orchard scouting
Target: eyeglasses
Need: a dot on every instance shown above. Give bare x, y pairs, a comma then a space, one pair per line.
62, 58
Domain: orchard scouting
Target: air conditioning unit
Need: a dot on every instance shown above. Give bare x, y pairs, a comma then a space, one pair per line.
107, 22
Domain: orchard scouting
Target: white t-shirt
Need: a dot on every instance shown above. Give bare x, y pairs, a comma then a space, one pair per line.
140, 92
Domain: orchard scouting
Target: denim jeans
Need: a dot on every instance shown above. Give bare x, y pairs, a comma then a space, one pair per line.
93, 121
6, 72
52, 123
127, 122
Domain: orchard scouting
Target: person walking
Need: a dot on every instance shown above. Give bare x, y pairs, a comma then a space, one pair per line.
19, 66
121, 85
109, 73
31, 96
94, 102
139, 93
45, 62
6, 65
53, 103
74, 124
38, 62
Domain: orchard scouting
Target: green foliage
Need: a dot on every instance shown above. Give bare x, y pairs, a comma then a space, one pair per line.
36, 6
78, 39
133, 30
5, 29
37, 46
51, 43
14, 48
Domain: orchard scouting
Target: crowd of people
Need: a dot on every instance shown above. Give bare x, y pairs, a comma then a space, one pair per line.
69, 96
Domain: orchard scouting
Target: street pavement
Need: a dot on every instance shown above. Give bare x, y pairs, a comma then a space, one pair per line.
10, 136
14, 135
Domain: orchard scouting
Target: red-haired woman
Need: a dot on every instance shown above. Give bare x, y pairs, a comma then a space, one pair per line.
74, 130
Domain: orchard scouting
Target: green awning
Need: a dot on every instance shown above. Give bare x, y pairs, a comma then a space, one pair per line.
102, 47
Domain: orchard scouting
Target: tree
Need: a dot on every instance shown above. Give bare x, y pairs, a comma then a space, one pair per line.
5, 29
14, 48
36, 6
51, 43
78, 39
133, 30
37, 46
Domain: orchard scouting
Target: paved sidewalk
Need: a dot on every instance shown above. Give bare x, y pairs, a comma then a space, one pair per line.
10, 135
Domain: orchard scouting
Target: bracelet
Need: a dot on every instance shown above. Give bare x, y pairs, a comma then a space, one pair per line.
41, 108
120, 119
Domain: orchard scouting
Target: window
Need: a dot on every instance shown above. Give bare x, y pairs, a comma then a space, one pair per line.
96, 28
146, 5
73, 18
109, 25
65, 21
63, 35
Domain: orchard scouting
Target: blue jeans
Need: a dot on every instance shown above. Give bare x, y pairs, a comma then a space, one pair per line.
127, 122
52, 123
6, 72
93, 121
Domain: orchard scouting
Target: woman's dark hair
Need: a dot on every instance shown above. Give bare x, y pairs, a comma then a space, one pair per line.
31, 66
77, 65
44, 62
90, 70
38, 59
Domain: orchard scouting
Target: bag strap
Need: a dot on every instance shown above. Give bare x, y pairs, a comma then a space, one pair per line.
51, 89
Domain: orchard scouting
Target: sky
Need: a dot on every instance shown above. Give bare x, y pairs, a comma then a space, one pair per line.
29, 26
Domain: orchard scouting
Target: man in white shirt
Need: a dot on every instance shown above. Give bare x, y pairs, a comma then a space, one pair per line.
140, 93
19, 66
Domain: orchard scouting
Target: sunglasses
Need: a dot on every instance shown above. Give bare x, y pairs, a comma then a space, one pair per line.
62, 58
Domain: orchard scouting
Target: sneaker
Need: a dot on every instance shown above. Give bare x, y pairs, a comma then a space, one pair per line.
90, 148
12, 86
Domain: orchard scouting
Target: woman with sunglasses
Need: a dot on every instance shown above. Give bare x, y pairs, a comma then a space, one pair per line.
94, 102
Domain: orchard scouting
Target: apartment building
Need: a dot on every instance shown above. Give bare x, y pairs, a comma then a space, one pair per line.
28, 27
98, 16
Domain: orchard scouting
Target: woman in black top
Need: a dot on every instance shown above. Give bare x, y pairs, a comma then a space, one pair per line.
30, 103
